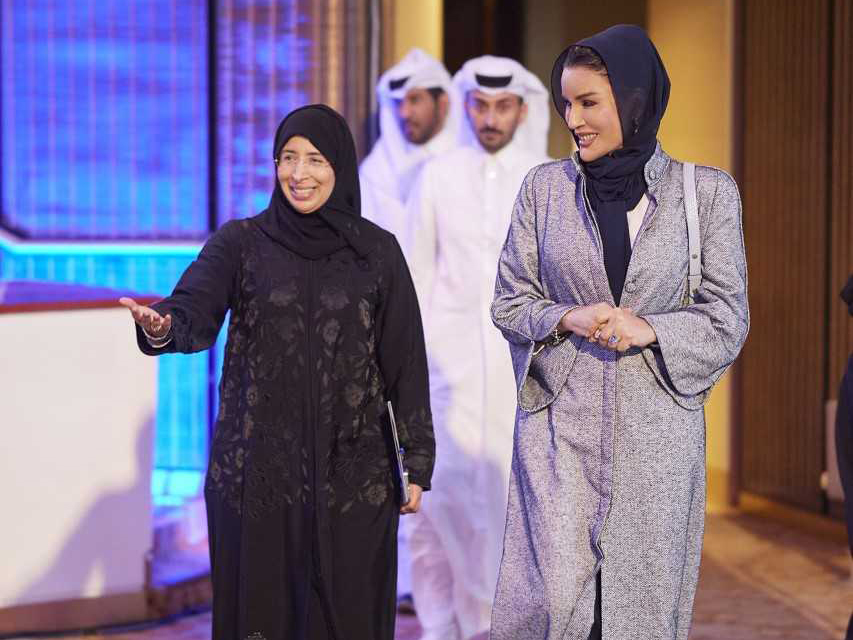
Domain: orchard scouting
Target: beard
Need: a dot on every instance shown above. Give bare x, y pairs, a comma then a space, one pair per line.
421, 132
493, 140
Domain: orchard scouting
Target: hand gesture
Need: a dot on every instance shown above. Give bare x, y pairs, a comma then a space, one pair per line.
624, 330
152, 323
414, 503
585, 321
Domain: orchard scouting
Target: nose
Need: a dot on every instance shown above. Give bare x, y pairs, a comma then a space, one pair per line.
490, 118
574, 118
299, 171
403, 110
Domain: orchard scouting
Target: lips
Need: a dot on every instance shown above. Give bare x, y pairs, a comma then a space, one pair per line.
586, 139
302, 193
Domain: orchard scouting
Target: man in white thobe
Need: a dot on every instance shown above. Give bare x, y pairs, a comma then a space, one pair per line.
419, 115
459, 214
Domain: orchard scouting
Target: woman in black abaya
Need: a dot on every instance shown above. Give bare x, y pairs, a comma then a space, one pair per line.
301, 496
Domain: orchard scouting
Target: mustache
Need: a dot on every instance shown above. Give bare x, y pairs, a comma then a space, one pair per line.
490, 130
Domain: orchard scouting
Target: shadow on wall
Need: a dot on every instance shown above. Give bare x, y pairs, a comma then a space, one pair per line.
97, 557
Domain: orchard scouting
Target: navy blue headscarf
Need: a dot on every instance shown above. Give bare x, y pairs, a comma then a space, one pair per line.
616, 182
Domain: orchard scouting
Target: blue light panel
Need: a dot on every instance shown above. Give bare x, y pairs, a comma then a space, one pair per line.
104, 118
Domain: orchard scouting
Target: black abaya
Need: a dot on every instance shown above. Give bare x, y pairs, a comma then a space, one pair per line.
300, 489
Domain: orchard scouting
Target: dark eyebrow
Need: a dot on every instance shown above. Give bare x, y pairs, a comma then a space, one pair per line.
310, 153
585, 95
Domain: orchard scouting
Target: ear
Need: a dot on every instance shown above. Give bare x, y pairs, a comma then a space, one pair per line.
443, 105
522, 116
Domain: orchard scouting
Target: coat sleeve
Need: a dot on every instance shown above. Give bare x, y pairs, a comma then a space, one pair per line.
422, 247
402, 360
696, 344
525, 314
202, 296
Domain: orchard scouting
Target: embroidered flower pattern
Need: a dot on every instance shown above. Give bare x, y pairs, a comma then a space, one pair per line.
284, 336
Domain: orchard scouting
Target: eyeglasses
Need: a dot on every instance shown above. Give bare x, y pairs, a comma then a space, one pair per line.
291, 161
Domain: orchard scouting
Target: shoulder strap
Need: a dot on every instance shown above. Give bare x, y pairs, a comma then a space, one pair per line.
694, 277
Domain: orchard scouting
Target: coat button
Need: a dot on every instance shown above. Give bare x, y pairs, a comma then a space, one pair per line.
653, 175
630, 287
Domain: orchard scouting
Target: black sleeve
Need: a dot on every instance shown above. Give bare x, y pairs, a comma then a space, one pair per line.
202, 296
402, 359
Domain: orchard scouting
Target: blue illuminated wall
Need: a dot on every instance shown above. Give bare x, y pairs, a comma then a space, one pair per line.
105, 118
263, 63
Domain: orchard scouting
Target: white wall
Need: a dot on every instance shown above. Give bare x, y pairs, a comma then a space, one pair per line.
77, 406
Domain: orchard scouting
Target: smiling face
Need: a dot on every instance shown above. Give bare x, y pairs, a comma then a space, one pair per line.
494, 118
591, 112
305, 176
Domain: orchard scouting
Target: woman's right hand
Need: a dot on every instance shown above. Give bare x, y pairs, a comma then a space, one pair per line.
585, 321
152, 323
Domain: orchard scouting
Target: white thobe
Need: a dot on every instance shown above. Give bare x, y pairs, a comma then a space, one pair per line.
459, 214
386, 187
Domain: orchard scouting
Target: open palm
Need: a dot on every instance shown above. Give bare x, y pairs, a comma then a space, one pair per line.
151, 322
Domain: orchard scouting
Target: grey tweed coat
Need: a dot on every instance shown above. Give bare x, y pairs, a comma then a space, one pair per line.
608, 466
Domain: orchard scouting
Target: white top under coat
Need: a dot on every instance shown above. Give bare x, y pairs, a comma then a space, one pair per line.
636, 216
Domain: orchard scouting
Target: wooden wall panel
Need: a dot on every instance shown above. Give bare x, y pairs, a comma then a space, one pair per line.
784, 182
841, 193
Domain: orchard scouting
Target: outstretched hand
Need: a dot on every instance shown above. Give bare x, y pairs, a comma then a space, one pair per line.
151, 322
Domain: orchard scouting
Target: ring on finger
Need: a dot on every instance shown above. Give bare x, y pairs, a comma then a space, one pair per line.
613, 339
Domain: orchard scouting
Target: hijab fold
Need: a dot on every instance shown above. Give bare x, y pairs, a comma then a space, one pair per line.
616, 182
335, 224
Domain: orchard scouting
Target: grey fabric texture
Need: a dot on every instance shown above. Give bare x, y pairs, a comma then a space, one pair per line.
608, 466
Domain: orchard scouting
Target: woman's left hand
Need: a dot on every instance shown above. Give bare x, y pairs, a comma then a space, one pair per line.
414, 503
625, 330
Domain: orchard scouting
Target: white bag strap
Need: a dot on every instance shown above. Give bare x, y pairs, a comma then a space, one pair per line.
694, 277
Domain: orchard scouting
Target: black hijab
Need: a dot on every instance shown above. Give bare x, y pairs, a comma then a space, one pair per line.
335, 224
616, 182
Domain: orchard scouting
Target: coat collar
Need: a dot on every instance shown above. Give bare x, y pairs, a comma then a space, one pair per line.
656, 166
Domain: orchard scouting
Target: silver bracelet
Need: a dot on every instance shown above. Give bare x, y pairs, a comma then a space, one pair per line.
155, 342
556, 336
555, 339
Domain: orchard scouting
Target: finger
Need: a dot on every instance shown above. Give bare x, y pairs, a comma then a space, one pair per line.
167, 322
130, 303
152, 315
604, 312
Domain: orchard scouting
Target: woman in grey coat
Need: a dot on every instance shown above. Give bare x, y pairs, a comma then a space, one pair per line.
614, 360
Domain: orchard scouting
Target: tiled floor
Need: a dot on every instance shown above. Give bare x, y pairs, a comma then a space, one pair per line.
759, 579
